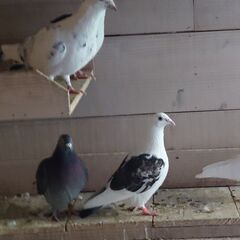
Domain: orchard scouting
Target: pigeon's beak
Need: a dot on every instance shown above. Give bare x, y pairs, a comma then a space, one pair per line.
112, 6
171, 122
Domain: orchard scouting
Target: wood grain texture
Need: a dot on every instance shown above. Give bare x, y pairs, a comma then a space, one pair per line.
235, 191
27, 95
18, 175
135, 16
198, 205
195, 130
186, 219
19, 19
216, 14
140, 16
182, 72
196, 231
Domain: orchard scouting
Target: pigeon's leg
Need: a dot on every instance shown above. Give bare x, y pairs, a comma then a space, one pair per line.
70, 87
147, 212
70, 213
55, 216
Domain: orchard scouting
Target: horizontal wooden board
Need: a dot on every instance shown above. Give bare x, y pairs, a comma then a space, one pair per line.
18, 176
141, 16
198, 205
182, 72
27, 95
183, 220
195, 130
200, 231
19, 19
216, 14
135, 16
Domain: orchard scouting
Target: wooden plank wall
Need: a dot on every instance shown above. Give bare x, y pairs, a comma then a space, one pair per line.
181, 57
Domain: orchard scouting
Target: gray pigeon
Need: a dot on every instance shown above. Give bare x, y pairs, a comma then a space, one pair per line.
61, 177
139, 176
66, 45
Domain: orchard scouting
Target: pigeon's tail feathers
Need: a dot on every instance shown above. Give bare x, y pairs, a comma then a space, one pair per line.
87, 212
11, 52
107, 197
228, 169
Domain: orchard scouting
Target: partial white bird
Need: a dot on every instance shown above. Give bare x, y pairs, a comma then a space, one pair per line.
228, 169
68, 44
139, 176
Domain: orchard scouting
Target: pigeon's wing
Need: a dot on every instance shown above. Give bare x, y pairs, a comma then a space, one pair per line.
61, 18
47, 48
137, 174
41, 177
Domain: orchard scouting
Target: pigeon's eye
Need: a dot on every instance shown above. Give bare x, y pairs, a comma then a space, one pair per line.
160, 118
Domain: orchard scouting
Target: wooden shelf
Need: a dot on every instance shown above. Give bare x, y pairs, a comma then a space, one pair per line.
28, 95
182, 214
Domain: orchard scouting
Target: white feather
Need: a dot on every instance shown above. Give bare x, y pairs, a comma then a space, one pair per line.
107, 197
228, 169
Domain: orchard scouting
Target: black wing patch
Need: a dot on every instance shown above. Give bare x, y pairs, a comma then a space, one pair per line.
62, 17
41, 177
137, 174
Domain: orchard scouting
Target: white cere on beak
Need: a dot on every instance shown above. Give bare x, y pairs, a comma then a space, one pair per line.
69, 145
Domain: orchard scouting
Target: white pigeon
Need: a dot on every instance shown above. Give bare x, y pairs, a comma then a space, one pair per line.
139, 176
228, 169
65, 46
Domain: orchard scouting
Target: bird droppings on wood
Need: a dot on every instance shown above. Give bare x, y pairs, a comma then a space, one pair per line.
175, 207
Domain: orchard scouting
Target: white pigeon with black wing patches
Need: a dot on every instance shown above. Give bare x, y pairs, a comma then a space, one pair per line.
139, 176
66, 45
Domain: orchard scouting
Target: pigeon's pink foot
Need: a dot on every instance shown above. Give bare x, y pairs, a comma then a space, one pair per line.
80, 75
147, 212
71, 90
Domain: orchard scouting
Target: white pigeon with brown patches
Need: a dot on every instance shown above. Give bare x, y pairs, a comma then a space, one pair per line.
65, 46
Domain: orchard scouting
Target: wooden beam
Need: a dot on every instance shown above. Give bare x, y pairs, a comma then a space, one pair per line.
28, 95
140, 16
171, 73
194, 130
183, 213
135, 16
18, 175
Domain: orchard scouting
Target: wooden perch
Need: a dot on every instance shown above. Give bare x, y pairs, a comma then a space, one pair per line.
28, 95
